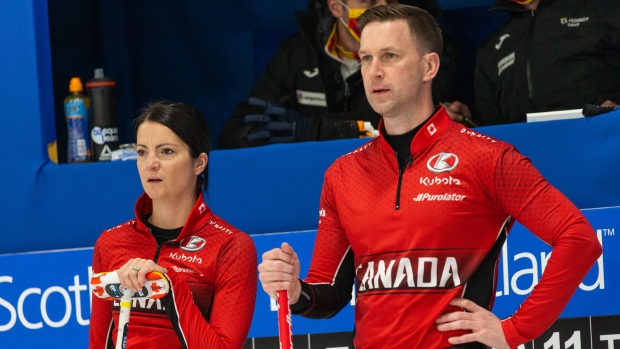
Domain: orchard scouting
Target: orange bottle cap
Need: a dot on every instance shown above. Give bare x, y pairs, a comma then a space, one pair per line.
75, 85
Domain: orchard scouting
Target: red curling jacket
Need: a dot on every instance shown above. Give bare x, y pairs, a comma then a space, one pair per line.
415, 239
212, 271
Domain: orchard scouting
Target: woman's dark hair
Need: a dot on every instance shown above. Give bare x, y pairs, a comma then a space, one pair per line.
187, 123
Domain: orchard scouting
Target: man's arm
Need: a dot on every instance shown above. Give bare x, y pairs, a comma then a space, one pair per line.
332, 270
328, 287
487, 106
324, 300
613, 25
523, 193
444, 83
279, 270
547, 213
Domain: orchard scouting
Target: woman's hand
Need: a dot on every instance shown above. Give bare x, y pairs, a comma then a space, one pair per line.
132, 274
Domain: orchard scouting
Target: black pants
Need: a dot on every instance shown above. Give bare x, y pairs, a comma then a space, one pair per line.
473, 345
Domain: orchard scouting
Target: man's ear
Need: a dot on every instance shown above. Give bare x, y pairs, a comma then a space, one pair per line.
336, 8
431, 65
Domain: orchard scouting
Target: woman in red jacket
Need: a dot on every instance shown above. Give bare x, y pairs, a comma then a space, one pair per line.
210, 265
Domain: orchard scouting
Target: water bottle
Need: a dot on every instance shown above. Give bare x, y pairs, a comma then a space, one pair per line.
76, 113
103, 126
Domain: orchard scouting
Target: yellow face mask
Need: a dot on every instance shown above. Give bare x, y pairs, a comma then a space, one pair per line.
522, 2
354, 14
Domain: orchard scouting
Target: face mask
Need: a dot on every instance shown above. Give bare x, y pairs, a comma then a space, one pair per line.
522, 2
354, 14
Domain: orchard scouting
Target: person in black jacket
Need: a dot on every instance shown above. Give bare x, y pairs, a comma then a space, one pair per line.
549, 55
312, 88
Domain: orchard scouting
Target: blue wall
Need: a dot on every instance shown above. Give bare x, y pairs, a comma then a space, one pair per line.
49, 206
43, 201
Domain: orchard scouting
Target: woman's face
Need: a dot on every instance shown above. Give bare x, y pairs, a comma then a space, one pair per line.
167, 170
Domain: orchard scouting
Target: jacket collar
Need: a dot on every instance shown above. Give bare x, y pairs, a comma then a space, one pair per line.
430, 131
198, 216
512, 6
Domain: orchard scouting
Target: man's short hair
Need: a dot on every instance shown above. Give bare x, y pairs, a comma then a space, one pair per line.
424, 28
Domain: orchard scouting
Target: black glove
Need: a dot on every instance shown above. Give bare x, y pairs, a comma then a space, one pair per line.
275, 124
594, 110
331, 126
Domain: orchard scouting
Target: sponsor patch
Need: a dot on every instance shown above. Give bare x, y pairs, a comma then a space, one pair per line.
442, 162
439, 181
501, 41
505, 63
192, 243
439, 197
311, 98
573, 22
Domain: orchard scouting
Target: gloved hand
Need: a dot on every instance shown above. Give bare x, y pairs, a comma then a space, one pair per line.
331, 126
275, 124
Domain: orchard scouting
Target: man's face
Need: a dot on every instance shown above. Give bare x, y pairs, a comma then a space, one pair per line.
391, 69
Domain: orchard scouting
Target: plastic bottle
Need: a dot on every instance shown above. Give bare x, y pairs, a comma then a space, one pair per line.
76, 113
103, 126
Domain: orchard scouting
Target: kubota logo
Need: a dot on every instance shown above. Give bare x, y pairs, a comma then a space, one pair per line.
442, 162
192, 243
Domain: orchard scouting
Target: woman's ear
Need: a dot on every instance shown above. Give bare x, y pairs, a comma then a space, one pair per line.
200, 163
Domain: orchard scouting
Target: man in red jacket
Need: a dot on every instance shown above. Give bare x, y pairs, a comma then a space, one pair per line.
419, 215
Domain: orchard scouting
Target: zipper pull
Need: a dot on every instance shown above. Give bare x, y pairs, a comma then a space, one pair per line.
347, 94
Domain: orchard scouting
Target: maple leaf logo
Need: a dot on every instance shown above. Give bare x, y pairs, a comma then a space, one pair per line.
99, 291
155, 287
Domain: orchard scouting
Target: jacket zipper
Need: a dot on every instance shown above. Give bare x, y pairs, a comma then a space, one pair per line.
400, 178
159, 246
528, 60
347, 94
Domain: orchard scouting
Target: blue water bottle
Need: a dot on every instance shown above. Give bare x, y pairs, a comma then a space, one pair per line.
76, 113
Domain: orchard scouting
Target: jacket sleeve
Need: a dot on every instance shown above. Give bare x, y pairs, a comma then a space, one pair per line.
273, 86
101, 322
613, 23
233, 301
488, 109
444, 83
327, 289
528, 197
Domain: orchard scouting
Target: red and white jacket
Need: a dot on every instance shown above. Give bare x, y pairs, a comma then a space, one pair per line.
212, 272
417, 239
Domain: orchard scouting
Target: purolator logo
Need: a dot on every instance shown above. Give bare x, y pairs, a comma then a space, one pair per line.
439, 197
